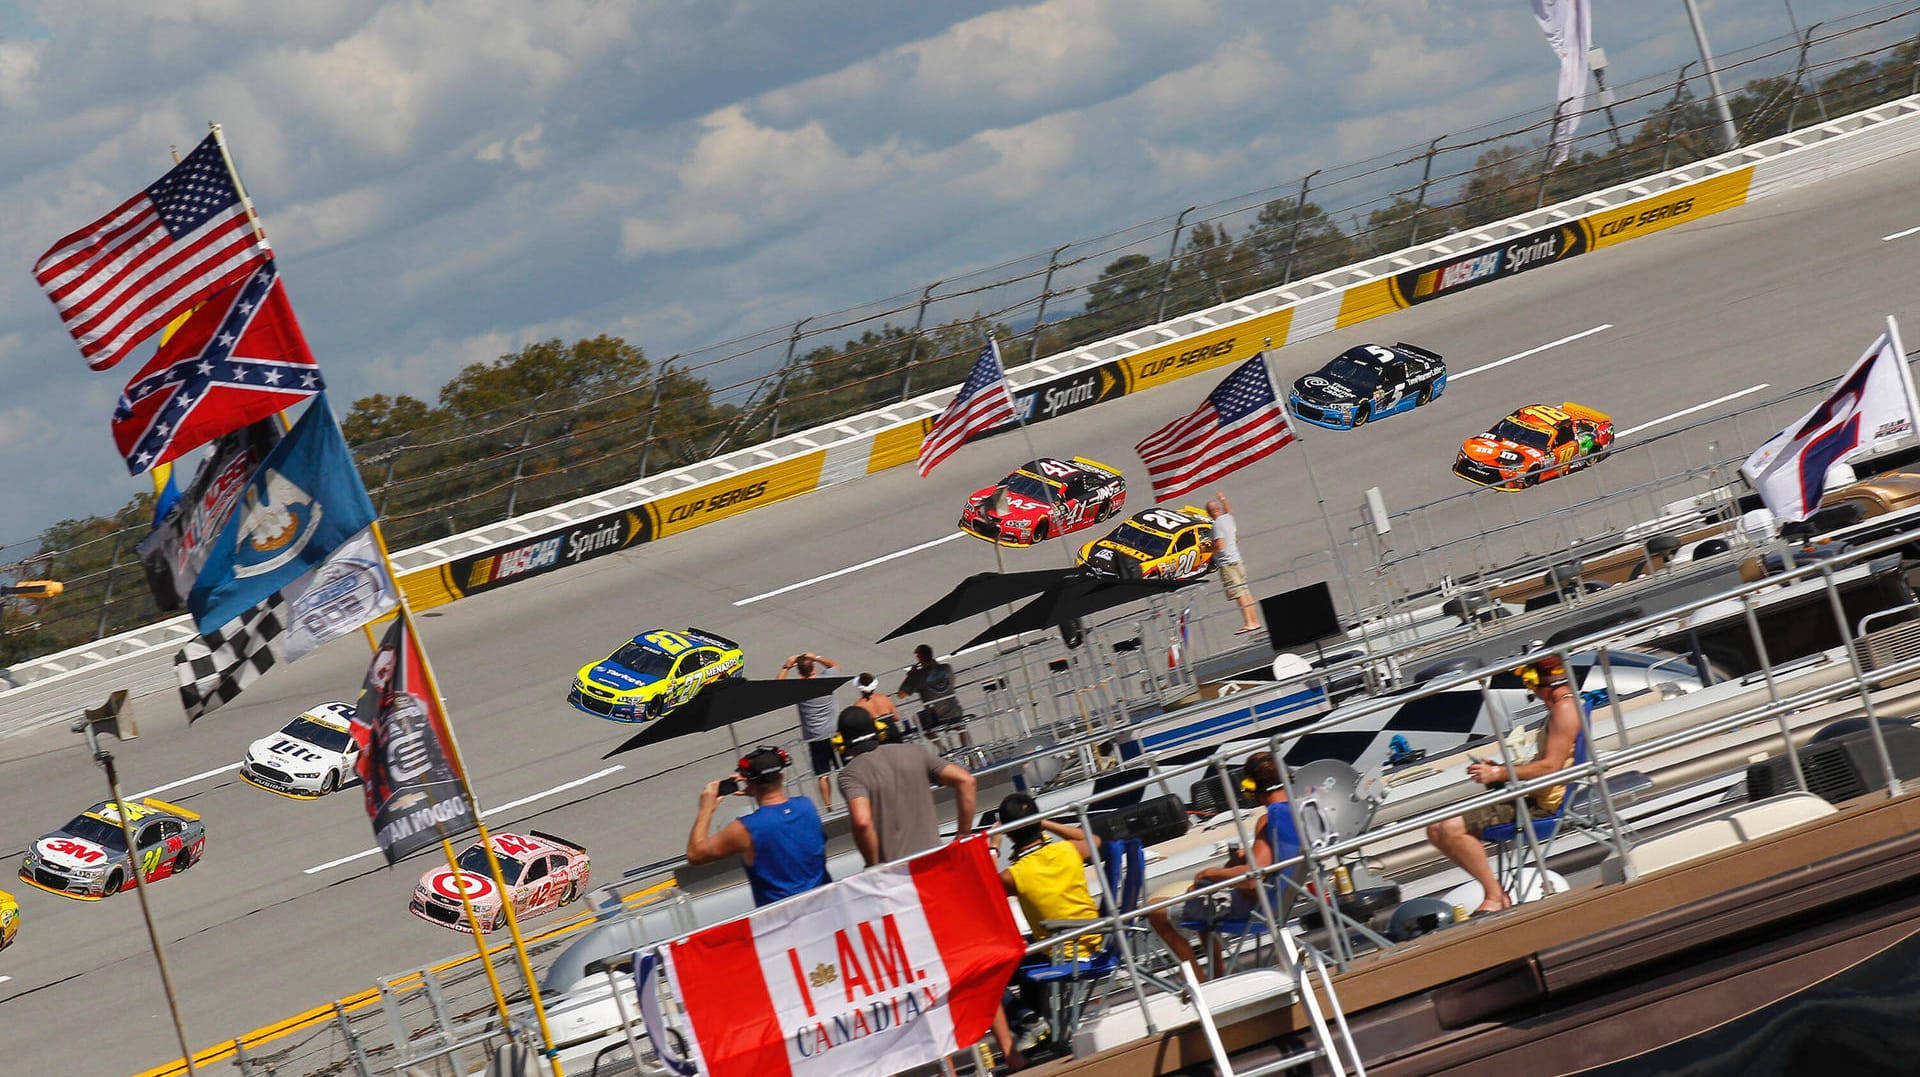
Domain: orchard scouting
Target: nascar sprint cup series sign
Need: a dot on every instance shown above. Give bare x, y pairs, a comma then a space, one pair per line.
888, 969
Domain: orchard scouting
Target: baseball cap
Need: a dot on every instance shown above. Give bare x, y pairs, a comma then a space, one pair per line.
858, 731
763, 764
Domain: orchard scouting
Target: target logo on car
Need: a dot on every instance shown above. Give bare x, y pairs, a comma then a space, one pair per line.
449, 885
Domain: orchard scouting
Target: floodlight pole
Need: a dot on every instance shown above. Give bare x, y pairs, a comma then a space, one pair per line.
1727, 129
105, 759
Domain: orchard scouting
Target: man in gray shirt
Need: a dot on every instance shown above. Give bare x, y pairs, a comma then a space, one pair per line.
816, 720
1225, 545
889, 791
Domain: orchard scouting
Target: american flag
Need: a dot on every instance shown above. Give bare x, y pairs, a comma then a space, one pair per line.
983, 404
239, 358
121, 278
1240, 421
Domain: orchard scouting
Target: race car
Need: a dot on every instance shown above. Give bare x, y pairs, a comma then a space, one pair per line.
1369, 382
9, 919
87, 859
1158, 544
310, 757
541, 871
653, 673
1536, 443
1044, 498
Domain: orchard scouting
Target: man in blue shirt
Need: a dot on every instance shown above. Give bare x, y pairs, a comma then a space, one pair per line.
1275, 841
780, 842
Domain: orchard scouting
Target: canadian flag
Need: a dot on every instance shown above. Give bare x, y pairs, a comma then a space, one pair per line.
895, 967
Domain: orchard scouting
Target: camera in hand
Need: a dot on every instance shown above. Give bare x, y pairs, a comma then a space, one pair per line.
729, 786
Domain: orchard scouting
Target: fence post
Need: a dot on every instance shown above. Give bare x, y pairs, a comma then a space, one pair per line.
353, 1041
913, 345
1420, 196
1293, 241
1167, 277
653, 413
1046, 292
519, 464
1673, 114
106, 600
786, 371
1914, 87
393, 460
1546, 166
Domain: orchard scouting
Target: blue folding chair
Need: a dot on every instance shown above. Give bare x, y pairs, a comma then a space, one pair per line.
1070, 976
1509, 851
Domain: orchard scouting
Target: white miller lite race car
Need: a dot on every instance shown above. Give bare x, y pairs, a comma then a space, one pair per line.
310, 757
542, 872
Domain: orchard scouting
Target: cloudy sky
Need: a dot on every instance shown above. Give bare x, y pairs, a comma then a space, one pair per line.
445, 180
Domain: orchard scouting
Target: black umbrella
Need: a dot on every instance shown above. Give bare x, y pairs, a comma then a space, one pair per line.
979, 593
725, 702
1070, 600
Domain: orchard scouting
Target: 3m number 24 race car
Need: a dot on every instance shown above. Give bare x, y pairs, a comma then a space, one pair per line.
88, 858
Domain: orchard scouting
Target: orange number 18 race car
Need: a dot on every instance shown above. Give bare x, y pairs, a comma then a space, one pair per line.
1536, 443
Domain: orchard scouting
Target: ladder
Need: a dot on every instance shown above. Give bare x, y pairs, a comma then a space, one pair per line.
1309, 973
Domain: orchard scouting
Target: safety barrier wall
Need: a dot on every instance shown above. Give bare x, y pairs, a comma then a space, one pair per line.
664, 505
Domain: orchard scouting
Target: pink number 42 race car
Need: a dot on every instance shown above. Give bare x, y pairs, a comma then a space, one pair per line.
542, 872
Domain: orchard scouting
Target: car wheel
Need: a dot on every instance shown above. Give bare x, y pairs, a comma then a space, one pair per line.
331, 783
1129, 568
116, 881
182, 862
1361, 414
1423, 397
573, 891
1040, 531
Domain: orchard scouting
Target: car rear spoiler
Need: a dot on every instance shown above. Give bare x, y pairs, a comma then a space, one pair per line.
161, 805
713, 637
1579, 412
568, 842
1415, 349
1097, 465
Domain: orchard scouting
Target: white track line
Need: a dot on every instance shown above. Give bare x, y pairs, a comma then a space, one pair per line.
216, 772
1689, 411
837, 573
1901, 235
574, 784
1530, 351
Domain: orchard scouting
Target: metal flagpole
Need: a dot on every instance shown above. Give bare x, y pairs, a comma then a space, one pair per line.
1906, 374
239, 188
466, 784
1339, 563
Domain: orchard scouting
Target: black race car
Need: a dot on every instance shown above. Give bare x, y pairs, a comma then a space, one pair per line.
1369, 382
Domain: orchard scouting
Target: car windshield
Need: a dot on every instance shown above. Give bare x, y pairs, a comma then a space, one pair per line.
1508, 430
98, 831
1140, 540
643, 660
320, 736
474, 860
1030, 488
1348, 372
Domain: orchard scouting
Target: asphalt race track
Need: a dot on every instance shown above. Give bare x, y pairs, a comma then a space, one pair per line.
1785, 292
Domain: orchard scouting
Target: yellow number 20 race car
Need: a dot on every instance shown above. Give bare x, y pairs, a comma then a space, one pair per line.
1158, 544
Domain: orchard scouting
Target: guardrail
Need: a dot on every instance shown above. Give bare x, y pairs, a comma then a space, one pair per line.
55, 687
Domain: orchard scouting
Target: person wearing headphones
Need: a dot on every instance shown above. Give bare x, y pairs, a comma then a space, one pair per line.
1276, 840
779, 842
1458, 838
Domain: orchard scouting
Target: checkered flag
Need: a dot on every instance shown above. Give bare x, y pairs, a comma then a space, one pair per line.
215, 668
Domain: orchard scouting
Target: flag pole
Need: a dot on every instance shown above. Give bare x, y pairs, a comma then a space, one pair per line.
1333, 541
246, 203
1906, 375
466, 785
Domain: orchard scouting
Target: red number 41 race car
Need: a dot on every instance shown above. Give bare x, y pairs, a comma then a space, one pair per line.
1044, 498
542, 872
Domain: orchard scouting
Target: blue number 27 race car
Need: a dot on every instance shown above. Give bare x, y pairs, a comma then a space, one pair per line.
1369, 382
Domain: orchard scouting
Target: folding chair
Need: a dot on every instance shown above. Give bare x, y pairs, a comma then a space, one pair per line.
1510, 850
1069, 976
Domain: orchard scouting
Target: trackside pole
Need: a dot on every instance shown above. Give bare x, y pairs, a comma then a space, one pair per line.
1906, 375
486, 839
1333, 542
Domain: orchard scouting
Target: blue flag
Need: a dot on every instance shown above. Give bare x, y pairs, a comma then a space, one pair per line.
305, 500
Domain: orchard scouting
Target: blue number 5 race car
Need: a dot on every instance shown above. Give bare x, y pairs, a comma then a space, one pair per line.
653, 673
1369, 382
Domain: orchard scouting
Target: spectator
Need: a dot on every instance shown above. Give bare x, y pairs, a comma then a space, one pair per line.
1046, 872
1459, 837
876, 702
780, 842
1225, 545
888, 792
1275, 841
816, 721
933, 682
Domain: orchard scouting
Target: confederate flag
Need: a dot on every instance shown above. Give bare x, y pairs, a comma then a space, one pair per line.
240, 357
